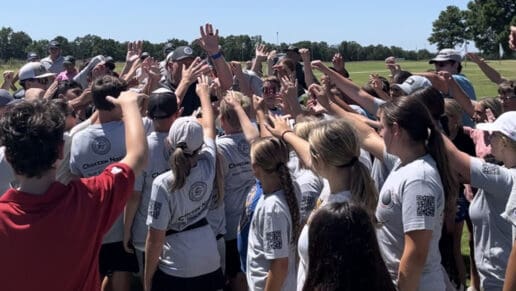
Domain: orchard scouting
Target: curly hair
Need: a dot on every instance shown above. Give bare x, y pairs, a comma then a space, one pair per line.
32, 133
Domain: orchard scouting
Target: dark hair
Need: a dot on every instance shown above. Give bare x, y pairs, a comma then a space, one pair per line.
412, 115
32, 133
400, 77
64, 86
433, 99
106, 86
343, 252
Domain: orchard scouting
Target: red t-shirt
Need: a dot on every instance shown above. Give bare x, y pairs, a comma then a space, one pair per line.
52, 241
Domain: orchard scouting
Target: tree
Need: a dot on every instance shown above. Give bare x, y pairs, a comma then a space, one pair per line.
488, 21
449, 29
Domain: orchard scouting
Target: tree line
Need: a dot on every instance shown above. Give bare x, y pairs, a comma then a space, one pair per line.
16, 45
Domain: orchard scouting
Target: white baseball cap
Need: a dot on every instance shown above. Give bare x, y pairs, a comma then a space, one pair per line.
34, 70
186, 133
413, 83
505, 124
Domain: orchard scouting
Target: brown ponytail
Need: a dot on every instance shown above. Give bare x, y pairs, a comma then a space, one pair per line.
290, 196
181, 166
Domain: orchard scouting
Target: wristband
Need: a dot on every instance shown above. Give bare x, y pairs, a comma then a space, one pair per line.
216, 56
285, 132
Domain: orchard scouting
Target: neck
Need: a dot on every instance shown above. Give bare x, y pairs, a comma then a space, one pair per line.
162, 125
338, 179
36, 185
106, 116
510, 161
270, 184
416, 151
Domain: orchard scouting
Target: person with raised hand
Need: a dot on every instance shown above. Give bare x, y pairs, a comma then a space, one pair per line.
209, 42
67, 222
181, 249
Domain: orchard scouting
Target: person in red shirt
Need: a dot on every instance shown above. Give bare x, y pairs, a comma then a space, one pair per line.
50, 234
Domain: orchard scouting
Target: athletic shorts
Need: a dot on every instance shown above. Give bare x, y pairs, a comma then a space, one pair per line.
209, 282
113, 258
232, 259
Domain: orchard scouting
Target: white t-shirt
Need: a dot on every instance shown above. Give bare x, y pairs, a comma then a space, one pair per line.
238, 178
193, 252
491, 233
56, 66
92, 150
157, 164
6, 173
302, 245
270, 237
412, 198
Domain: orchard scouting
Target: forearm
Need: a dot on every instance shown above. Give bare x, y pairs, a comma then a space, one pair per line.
354, 92
490, 73
223, 73
307, 70
260, 115
270, 69
243, 84
410, 269
181, 91
257, 67
208, 119
510, 273
461, 97
301, 146
130, 212
277, 274
153, 249
131, 73
250, 131
136, 147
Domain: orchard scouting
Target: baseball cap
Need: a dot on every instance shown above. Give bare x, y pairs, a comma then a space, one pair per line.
69, 60
180, 53
162, 104
34, 70
54, 44
292, 48
32, 56
447, 55
413, 83
168, 48
186, 133
5, 97
505, 124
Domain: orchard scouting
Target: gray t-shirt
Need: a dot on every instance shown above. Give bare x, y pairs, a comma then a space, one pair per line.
510, 210
93, 149
56, 66
238, 178
270, 237
412, 198
193, 252
491, 233
157, 164
6, 173
63, 173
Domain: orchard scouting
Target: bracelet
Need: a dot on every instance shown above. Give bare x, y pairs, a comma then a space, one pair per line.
285, 132
216, 56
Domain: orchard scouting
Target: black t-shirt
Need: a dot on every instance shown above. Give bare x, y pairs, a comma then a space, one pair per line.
190, 101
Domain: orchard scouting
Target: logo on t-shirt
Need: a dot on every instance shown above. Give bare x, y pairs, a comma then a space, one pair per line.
386, 199
489, 169
243, 148
101, 145
154, 209
197, 191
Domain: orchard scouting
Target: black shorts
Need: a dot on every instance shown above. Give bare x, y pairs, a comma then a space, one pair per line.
211, 281
113, 257
232, 259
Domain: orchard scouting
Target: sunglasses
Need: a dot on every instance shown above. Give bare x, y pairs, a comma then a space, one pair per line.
43, 81
269, 90
506, 98
442, 64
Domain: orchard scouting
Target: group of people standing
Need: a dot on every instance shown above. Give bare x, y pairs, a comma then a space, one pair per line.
205, 174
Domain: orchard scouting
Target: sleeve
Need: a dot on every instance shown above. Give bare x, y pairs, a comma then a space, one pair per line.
209, 152
490, 177
422, 203
74, 167
510, 211
159, 215
82, 76
276, 234
377, 103
112, 189
389, 160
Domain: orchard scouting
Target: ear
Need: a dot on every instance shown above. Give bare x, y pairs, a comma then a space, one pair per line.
396, 129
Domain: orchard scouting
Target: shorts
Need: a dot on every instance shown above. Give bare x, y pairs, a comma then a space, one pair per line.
462, 208
232, 259
164, 282
113, 258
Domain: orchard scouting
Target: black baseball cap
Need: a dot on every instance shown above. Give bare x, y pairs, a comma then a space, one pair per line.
162, 104
180, 53
54, 44
69, 60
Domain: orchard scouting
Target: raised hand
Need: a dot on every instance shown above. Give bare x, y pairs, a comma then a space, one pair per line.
150, 66
231, 100
203, 86
338, 62
271, 56
194, 71
442, 82
279, 126
258, 103
512, 38
288, 86
474, 58
261, 53
134, 51
319, 65
8, 76
305, 54
209, 40
125, 98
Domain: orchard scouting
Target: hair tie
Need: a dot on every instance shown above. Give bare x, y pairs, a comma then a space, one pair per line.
181, 145
350, 163
278, 166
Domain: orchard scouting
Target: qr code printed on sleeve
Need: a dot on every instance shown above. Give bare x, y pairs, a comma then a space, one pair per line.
273, 240
154, 209
425, 205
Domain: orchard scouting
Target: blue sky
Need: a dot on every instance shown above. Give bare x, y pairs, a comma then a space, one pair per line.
403, 23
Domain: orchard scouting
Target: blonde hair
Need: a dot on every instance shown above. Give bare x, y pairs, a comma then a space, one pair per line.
229, 115
335, 143
271, 155
452, 108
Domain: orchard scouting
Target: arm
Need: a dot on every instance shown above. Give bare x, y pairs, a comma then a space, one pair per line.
289, 89
307, 67
260, 56
277, 274
270, 63
189, 76
489, 71
8, 80
250, 131
459, 161
129, 213
444, 82
134, 51
417, 244
282, 130
153, 249
349, 88
510, 278
210, 43
243, 83
135, 142
82, 77
208, 117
